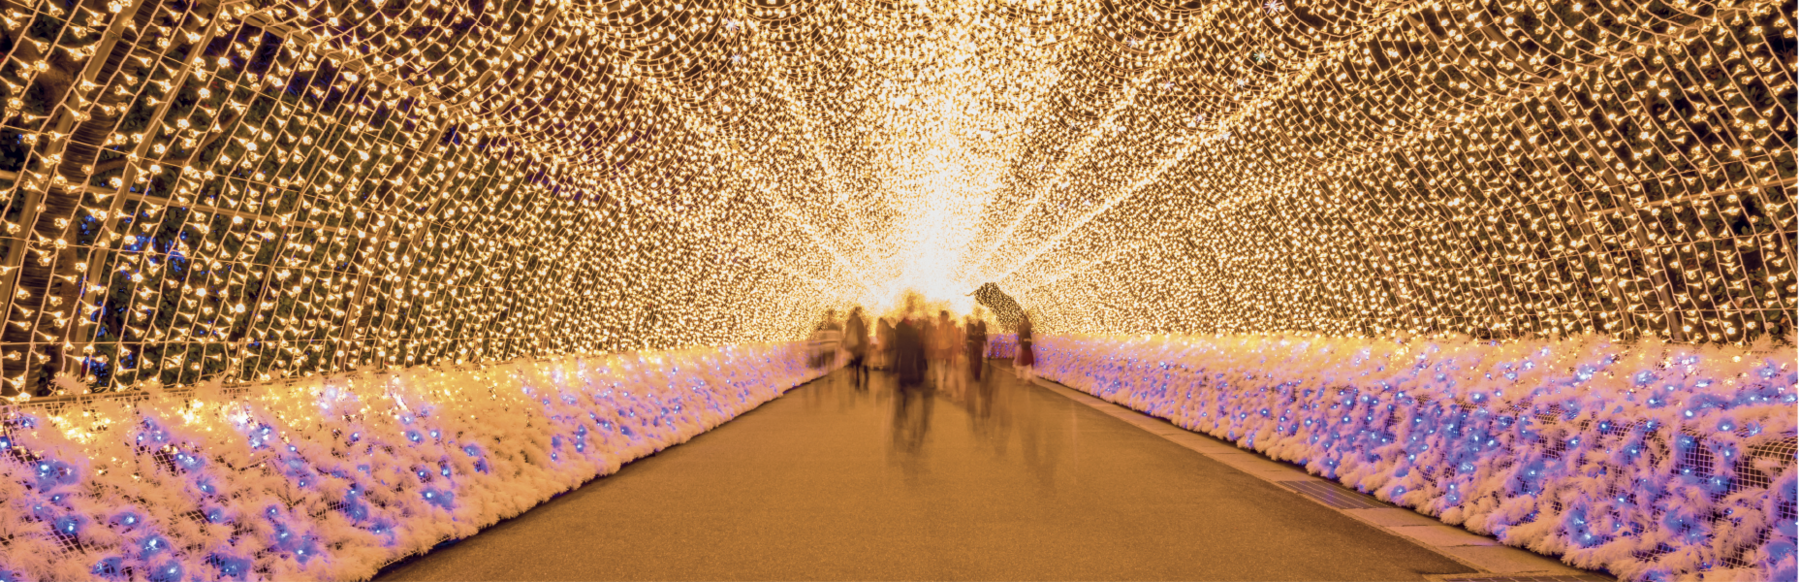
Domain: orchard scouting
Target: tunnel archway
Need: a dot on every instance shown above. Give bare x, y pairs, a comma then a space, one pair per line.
215, 198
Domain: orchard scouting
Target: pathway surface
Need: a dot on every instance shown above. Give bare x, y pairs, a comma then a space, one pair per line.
1006, 482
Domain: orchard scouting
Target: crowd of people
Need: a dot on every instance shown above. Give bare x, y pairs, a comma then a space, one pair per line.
948, 353
929, 358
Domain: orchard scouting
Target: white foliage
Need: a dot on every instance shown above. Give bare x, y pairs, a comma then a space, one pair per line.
1651, 460
332, 478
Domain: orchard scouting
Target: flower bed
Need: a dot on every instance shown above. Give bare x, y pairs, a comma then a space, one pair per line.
335, 478
1652, 461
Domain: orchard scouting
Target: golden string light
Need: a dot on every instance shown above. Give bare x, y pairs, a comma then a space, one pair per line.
1495, 169
257, 190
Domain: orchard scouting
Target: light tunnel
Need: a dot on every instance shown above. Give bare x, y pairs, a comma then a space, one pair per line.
280, 275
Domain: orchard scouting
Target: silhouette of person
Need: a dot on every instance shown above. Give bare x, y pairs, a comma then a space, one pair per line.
975, 344
884, 344
912, 396
945, 339
1023, 362
824, 343
856, 342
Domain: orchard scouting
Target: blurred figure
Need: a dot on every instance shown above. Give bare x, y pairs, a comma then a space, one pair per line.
912, 397
945, 338
980, 392
825, 341
1045, 443
884, 344
909, 351
975, 344
1023, 362
856, 342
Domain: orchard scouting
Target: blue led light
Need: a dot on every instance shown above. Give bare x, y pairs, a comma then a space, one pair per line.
229, 567
152, 545
440, 498
70, 525
111, 568
127, 519
167, 572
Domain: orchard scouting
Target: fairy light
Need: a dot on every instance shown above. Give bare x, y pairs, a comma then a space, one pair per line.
261, 190
1497, 170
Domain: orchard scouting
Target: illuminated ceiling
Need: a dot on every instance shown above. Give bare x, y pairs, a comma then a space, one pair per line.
258, 189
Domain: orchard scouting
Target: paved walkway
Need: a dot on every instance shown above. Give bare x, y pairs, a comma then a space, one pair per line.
832, 482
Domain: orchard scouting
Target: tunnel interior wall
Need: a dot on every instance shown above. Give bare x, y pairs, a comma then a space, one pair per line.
257, 191
1484, 169
204, 192
1653, 462
331, 478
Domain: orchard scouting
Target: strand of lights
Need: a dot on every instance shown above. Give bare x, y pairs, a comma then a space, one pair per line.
258, 190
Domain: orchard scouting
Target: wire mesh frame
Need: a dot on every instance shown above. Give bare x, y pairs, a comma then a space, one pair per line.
1688, 24
280, 255
304, 217
1769, 182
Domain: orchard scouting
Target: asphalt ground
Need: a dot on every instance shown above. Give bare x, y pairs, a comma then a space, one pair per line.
995, 481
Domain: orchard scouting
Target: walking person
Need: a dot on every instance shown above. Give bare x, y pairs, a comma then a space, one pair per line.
856, 342
912, 396
884, 344
943, 349
825, 342
1023, 362
980, 393
909, 349
975, 345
